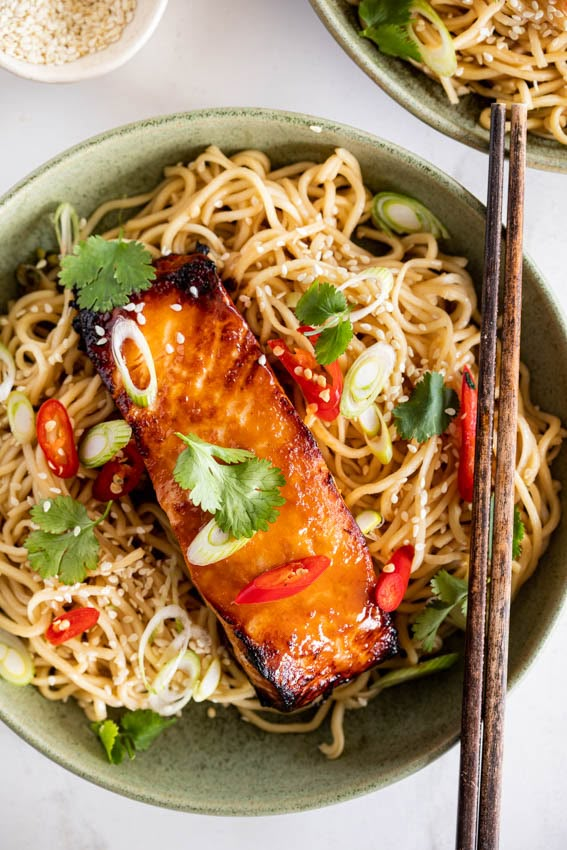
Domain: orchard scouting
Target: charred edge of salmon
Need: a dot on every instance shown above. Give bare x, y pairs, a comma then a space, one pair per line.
274, 692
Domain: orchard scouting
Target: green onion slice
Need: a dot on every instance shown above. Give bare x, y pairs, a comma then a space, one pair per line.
402, 214
21, 417
373, 424
67, 226
212, 544
178, 644
164, 700
128, 329
16, 665
441, 57
366, 378
369, 521
209, 682
102, 442
9, 369
425, 668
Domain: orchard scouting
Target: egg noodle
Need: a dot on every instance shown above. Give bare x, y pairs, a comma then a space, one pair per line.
271, 234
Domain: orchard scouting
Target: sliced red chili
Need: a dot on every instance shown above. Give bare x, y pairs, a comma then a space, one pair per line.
393, 581
70, 624
56, 438
467, 421
119, 476
283, 581
325, 395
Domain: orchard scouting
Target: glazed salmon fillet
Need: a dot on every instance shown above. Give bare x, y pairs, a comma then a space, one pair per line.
213, 382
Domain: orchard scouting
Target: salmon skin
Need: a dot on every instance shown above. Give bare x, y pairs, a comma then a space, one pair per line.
213, 382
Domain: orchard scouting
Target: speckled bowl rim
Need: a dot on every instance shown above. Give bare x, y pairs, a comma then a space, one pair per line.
307, 799
477, 137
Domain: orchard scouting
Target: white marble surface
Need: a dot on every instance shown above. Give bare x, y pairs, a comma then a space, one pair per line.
258, 53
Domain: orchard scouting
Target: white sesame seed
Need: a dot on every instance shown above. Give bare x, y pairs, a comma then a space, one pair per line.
194, 291
169, 348
180, 338
176, 307
262, 359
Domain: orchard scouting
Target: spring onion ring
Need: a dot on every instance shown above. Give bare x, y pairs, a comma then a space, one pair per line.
366, 378
401, 214
102, 442
21, 417
211, 544
128, 329
16, 665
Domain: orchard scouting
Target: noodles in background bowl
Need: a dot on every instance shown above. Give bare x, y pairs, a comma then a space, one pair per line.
271, 234
512, 51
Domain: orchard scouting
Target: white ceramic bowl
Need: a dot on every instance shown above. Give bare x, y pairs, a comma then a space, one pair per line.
147, 16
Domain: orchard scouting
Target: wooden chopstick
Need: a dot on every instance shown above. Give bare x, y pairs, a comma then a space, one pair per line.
484, 689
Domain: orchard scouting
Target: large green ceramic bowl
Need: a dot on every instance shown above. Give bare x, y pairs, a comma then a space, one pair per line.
421, 95
224, 766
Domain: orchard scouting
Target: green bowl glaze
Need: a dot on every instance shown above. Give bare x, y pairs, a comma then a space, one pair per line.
421, 95
224, 766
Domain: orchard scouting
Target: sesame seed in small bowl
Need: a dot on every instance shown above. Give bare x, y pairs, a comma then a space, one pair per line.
60, 41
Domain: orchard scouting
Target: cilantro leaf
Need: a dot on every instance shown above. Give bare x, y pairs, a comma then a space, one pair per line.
251, 497
425, 414
65, 544
197, 470
60, 514
321, 302
143, 726
333, 342
450, 600
387, 24
108, 734
242, 493
135, 731
105, 273
324, 308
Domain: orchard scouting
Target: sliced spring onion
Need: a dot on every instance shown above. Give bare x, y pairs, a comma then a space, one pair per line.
369, 521
292, 299
401, 214
366, 378
67, 226
373, 424
128, 329
16, 665
163, 699
21, 417
178, 644
441, 58
209, 683
8, 367
425, 668
212, 544
103, 441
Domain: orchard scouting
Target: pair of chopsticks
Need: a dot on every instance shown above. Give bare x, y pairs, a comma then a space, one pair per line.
486, 642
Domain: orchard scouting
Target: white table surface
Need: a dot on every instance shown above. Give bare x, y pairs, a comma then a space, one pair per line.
277, 54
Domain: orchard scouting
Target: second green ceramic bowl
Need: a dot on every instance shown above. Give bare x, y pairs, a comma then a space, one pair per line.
222, 765
421, 95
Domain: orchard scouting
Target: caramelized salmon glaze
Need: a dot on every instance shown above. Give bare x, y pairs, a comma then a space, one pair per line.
213, 382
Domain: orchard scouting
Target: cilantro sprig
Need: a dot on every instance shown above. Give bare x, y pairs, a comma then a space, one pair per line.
386, 22
65, 544
451, 594
135, 732
428, 411
450, 599
325, 309
105, 273
243, 492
